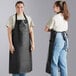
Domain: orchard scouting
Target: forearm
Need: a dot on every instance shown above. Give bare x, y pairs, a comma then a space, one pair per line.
32, 36
47, 29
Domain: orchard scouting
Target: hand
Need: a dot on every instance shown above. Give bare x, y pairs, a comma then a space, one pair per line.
46, 29
32, 47
12, 49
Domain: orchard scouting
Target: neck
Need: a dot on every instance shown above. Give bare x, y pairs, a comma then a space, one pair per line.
58, 12
20, 14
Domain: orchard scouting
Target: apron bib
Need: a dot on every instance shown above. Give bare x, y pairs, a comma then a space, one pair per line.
21, 60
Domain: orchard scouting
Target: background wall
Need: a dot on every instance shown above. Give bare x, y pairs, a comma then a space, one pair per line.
40, 11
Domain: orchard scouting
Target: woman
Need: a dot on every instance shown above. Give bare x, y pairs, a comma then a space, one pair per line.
58, 42
21, 41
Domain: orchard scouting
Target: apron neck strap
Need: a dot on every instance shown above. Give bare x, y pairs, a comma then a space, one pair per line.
16, 16
24, 15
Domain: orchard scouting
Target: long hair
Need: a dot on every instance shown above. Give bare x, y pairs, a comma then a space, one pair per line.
63, 8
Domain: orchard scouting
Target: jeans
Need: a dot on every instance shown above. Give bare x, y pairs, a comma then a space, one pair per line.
19, 74
59, 60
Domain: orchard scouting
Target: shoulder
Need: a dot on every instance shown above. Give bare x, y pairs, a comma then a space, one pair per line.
28, 17
56, 16
12, 17
30, 21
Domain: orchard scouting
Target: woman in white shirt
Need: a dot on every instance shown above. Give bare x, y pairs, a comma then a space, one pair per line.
21, 41
58, 41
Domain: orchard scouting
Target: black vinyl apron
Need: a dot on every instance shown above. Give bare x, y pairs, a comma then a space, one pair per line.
50, 52
21, 60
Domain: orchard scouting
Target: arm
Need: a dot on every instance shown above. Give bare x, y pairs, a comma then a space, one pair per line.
46, 29
49, 25
11, 47
32, 38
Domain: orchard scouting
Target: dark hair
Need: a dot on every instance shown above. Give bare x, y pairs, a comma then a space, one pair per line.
63, 8
19, 2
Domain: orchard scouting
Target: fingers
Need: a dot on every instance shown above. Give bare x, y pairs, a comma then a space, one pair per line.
12, 49
12, 52
33, 47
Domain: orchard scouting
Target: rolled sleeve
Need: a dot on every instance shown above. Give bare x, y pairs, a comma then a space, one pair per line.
50, 23
30, 21
10, 22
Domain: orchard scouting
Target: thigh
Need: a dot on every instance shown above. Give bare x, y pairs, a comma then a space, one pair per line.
63, 59
58, 46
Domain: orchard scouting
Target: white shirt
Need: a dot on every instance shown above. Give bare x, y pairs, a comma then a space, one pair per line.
11, 21
58, 23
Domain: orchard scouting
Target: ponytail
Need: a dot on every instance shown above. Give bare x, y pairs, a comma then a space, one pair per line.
63, 8
65, 11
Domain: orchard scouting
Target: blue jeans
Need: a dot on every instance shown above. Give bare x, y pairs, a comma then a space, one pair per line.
59, 60
22, 74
